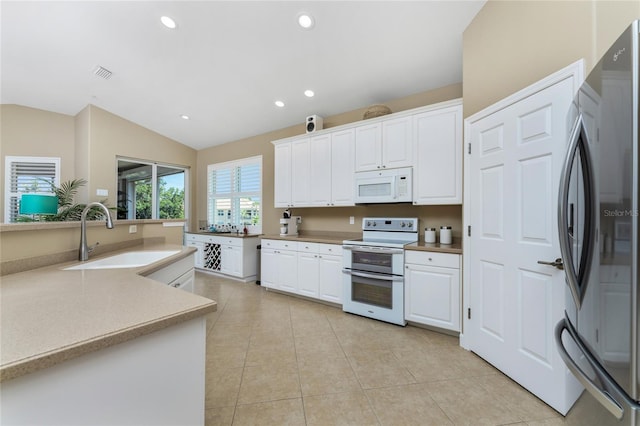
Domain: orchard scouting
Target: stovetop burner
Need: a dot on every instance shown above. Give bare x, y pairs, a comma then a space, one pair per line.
387, 232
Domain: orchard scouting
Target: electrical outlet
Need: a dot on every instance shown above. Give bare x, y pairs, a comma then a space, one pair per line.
102, 192
133, 229
352, 220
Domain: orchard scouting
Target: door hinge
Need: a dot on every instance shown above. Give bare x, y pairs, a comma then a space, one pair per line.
469, 149
469, 230
468, 313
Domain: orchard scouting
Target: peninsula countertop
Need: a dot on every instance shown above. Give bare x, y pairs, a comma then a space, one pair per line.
50, 315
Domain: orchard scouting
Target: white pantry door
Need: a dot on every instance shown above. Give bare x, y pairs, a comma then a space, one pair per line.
515, 303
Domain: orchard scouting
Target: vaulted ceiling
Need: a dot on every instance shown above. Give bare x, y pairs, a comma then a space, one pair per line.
226, 62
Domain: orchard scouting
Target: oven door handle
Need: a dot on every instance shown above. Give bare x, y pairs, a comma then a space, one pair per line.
373, 276
382, 250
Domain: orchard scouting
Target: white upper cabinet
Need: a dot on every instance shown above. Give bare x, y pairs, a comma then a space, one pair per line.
331, 169
291, 175
300, 177
385, 144
438, 169
317, 170
282, 175
320, 170
342, 167
369, 147
397, 146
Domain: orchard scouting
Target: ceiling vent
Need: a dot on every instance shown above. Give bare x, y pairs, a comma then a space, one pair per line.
102, 72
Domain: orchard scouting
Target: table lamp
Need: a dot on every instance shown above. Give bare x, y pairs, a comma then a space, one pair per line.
38, 204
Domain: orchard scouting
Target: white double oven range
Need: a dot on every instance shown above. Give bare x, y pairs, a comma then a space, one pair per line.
373, 268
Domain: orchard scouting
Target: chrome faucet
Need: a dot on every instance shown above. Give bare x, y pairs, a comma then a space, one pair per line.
84, 248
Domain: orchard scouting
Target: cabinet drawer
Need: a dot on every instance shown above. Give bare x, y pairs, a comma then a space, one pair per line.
445, 260
330, 249
280, 244
227, 241
305, 247
195, 237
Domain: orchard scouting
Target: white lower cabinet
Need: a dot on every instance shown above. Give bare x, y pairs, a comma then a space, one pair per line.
308, 269
198, 255
229, 255
317, 272
432, 289
279, 265
179, 274
330, 273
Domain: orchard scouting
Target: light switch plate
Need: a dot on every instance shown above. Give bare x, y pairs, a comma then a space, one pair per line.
133, 229
352, 220
102, 192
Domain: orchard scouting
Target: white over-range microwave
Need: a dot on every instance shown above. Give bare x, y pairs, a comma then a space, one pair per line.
384, 186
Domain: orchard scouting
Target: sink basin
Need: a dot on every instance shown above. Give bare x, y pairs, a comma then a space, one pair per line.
130, 259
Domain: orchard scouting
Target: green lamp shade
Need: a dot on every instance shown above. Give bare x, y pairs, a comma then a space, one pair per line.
38, 204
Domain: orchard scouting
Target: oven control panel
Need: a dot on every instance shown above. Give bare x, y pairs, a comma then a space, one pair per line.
402, 224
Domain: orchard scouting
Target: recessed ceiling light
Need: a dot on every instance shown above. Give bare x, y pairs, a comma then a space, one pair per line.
305, 21
309, 93
168, 22
279, 104
185, 117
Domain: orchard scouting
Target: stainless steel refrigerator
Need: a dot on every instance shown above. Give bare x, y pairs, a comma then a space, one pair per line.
598, 225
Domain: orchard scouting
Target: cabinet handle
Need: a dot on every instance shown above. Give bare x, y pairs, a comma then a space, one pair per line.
430, 260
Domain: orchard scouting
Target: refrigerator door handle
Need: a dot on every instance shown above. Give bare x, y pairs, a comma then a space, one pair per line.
563, 201
577, 143
601, 396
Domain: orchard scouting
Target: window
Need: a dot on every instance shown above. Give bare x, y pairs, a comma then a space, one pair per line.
148, 190
234, 193
27, 175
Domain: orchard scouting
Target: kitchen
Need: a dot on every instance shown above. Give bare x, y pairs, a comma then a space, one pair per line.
488, 75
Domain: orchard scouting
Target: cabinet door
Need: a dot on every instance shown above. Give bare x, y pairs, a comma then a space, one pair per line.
287, 271
184, 282
438, 175
397, 143
308, 274
368, 147
198, 262
320, 170
300, 175
432, 296
330, 278
231, 262
342, 167
282, 175
268, 267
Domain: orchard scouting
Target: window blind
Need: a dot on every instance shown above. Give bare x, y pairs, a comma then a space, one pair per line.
235, 192
28, 175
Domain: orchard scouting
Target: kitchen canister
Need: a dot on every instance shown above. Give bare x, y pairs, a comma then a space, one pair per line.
429, 235
445, 235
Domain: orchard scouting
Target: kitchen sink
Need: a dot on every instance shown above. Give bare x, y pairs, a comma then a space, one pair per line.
130, 259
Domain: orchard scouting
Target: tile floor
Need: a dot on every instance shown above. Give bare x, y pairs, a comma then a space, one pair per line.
274, 359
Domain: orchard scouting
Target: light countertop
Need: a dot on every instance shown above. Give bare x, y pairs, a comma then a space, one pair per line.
314, 238
225, 234
455, 248
50, 315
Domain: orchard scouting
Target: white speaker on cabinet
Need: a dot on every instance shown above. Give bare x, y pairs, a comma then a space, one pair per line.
314, 122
